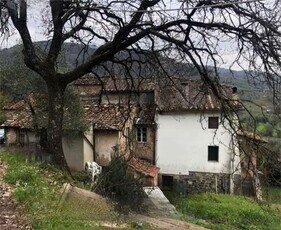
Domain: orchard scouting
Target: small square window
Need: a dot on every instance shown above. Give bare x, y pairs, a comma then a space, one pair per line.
141, 134
213, 153
213, 122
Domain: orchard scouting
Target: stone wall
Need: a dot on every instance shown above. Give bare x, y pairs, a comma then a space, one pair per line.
197, 182
207, 182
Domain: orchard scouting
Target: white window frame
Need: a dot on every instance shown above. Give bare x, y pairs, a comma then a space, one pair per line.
141, 134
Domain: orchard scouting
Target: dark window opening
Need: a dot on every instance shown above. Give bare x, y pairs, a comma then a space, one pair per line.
141, 134
213, 153
167, 182
213, 122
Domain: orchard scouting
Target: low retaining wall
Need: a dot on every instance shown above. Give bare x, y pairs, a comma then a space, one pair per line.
197, 182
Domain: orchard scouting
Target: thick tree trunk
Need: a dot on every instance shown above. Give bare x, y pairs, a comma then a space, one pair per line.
53, 145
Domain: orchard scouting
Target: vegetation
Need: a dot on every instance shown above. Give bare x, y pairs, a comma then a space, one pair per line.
122, 187
264, 121
144, 28
2, 104
222, 212
37, 186
272, 195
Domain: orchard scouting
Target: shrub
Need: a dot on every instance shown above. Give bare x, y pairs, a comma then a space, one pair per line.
117, 184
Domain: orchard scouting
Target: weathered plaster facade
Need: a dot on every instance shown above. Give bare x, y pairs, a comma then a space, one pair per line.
105, 142
185, 152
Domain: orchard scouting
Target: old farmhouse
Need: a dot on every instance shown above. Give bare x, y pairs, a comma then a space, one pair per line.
176, 131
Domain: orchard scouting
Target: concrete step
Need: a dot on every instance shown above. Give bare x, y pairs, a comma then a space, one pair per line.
158, 198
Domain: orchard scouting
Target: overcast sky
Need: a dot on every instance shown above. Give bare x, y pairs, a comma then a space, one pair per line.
38, 34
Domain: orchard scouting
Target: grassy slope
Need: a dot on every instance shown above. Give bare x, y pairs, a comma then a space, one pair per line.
230, 212
37, 186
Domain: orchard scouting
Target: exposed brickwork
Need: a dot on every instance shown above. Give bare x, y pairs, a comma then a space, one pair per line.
146, 150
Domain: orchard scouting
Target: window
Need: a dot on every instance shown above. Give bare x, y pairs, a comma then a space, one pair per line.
213, 122
167, 182
213, 153
141, 134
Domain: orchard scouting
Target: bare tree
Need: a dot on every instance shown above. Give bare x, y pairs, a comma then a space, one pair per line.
194, 33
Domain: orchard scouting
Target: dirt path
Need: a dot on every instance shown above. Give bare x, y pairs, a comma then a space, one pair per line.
165, 223
10, 211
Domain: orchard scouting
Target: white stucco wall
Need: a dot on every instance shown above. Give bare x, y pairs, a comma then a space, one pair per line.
182, 144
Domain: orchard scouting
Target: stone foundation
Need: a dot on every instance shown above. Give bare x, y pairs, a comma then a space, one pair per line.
208, 182
197, 182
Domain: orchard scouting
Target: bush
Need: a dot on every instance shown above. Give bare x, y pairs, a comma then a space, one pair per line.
117, 184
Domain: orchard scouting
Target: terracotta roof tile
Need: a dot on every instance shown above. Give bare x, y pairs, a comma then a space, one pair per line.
107, 116
251, 136
144, 167
21, 104
189, 95
112, 84
21, 119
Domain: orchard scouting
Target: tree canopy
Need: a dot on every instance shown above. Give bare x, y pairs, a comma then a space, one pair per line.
201, 33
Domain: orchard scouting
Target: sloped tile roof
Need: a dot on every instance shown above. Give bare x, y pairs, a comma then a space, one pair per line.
21, 104
187, 95
144, 167
251, 136
170, 96
103, 116
21, 119
112, 84
107, 116
19, 114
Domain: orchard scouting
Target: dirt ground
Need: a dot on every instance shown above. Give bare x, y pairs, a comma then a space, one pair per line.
11, 217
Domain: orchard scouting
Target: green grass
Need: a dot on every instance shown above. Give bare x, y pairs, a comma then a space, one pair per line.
272, 194
227, 212
37, 186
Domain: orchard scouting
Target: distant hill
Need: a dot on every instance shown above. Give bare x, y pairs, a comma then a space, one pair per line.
71, 51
